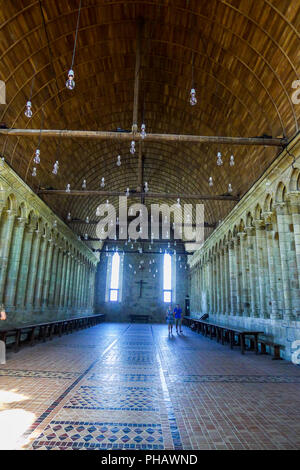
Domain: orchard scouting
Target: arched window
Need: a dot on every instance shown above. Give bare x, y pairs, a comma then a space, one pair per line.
167, 278
115, 279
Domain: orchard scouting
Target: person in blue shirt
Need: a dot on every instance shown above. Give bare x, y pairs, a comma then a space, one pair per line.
170, 320
178, 318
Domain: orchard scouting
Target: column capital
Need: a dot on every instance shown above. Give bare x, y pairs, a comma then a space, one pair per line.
280, 207
250, 231
267, 217
259, 224
294, 198
242, 235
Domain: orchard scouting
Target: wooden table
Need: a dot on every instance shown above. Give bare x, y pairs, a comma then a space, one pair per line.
144, 318
224, 332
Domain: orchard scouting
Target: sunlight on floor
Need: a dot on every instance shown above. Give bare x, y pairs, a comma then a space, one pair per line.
11, 397
13, 423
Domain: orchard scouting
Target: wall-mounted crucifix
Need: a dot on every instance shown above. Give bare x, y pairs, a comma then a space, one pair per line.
141, 283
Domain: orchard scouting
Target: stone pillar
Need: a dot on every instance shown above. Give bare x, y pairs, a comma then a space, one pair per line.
63, 280
222, 282
245, 298
262, 281
283, 228
24, 265
7, 224
14, 262
47, 275
252, 270
67, 289
33, 269
226, 281
237, 266
53, 276
273, 260
294, 203
58, 277
210, 286
40, 272
232, 278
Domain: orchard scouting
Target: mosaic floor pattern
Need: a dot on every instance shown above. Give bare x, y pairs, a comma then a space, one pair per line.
120, 386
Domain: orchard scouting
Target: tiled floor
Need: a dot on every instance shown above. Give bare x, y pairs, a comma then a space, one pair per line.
119, 386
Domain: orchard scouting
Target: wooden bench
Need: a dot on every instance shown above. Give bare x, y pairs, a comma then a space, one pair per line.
272, 345
224, 333
141, 318
44, 331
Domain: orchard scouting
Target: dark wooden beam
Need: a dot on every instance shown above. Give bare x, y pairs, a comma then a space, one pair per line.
128, 136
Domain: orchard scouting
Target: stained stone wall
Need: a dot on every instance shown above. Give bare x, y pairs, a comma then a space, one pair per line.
247, 272
45, 272
151, 300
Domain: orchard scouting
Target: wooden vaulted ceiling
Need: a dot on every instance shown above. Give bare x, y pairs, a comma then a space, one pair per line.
246, 57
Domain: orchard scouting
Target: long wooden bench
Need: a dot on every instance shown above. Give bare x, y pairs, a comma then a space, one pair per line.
263, 341
225, 333
44, 331
140, 318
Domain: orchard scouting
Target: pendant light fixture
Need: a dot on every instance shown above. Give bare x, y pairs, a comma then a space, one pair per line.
70, 84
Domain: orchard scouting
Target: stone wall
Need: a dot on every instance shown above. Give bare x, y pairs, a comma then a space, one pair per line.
45, 272
151, 300
247, 272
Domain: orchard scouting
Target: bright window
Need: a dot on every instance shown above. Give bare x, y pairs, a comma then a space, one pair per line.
167, 279
115, 278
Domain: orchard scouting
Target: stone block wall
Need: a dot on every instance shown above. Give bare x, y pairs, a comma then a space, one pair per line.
150, 299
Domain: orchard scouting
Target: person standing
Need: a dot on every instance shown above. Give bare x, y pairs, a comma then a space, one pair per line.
170, 320
178, 318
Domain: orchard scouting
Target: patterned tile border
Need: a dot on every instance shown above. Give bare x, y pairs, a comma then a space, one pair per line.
233, 379
38, 374
124, 377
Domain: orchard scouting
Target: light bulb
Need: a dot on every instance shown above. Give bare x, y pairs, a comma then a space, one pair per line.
193, 99
143, 131
69, 216
211, 183
132, 148
28, 112
230, 188
55, 168
87, 220
84, 184
37, 159
68, 188
119, 160
103, 183
70, 83
219, 161
34, 172
146, 188
232, 162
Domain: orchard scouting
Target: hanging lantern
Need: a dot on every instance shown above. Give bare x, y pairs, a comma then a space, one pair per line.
119, 160
193, 99
70, 83
34, 172
37, 159
55, 168
211, 183
69, 217
68, 188
103, 183
219, 160
28, 111
230, 188
232, 162
143, 131
84, 184
132, 148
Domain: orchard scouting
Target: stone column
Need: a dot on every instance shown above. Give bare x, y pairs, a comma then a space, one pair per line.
237, 266
245, 298
14, 262
294, 203
273, 260
7, 224
58, 277
41, 271
262, 281
222, 282
47, 275
67, 291
63, 280
210, 286
24, 265
32, 275
53, 276
252, 271
283, 228
232, 278
226, 281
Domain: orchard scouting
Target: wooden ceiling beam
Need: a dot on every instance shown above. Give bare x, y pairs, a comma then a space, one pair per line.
128, 136
86, 193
